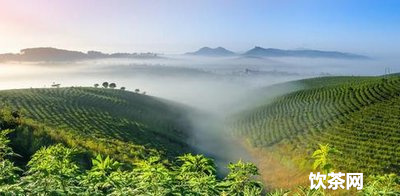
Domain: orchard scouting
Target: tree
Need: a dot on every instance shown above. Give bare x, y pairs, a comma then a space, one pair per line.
112, 85
105, 84
123, 88
96, 85
137, 90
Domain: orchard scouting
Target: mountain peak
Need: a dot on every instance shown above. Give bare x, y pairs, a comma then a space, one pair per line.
207, 51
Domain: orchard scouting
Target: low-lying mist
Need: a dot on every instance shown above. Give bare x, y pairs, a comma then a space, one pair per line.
216, 87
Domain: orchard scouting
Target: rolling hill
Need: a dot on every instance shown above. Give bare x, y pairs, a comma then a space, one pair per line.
207, 51
259, 52
48, 54
273, 52
360, 116
120, 123
91, 141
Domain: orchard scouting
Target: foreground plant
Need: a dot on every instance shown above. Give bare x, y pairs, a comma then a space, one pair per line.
240, 180
388, 184
60, 170
53, 170
323, 158
97, 179
9, 177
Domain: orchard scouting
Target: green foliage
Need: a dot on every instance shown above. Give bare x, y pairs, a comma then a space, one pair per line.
7, 119
195, 173
9, 173
57, 170
279, 192
306, 191
388, 184
104, 165
196, 164
323, 158
112, 122
53, 170
98, 179
153, 177
240, 179
360, 116
5, 149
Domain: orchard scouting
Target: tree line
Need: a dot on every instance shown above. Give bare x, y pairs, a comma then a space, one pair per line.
112, 85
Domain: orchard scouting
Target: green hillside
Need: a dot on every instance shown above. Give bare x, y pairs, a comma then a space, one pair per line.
115, 122
360, 116
89, 141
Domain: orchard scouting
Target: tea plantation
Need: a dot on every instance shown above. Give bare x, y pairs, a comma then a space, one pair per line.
359, 116
115, 122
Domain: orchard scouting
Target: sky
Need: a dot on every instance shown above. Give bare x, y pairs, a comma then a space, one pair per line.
177, 26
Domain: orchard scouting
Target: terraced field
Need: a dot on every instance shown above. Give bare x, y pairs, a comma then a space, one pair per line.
360, 116
105, 115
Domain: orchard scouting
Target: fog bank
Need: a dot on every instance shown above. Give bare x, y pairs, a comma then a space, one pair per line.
216, 87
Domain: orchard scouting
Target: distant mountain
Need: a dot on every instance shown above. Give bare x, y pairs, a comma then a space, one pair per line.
206, 51
259, 52
58, 55
273, 52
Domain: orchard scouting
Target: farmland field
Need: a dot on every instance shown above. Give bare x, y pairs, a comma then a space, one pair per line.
85, 141
119, 118
200, 98
359, 116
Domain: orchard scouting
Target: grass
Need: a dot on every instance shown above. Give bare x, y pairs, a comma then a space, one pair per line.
360, 116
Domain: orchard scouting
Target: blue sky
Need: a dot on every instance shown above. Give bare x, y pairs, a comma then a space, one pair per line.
176, 26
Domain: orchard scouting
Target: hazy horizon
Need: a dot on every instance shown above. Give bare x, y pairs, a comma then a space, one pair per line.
174, 27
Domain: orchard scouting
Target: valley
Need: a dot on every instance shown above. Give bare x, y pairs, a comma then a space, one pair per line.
278, 130
199, 98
